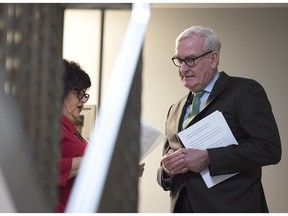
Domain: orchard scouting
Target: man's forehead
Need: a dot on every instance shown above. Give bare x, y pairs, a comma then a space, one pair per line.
189, 46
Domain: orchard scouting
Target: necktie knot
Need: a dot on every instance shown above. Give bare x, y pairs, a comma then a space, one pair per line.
199, 94
195, 107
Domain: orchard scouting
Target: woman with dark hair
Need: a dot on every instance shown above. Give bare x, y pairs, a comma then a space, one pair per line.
76, 83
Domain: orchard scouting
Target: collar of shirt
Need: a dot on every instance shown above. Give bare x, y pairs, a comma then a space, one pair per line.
204, 98
68, 124
208, 90
210, 86
72, 128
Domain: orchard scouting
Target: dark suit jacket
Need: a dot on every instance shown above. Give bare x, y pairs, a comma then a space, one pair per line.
248, 113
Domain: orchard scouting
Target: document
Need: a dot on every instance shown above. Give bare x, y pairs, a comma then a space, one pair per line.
210, 132
150, 138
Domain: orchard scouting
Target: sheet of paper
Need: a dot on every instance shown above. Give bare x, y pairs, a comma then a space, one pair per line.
210, 132
150, 138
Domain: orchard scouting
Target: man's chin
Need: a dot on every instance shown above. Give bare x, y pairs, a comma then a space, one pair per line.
187, 84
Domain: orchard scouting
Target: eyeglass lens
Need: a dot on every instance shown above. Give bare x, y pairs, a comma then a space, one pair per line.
188, 61
81, 94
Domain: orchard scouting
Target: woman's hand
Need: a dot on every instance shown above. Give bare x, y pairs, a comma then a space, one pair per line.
141, 169
75, 166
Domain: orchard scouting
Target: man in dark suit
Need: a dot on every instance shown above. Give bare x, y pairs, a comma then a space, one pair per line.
248, 112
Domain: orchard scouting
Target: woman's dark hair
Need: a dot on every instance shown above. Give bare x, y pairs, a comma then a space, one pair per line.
74, 77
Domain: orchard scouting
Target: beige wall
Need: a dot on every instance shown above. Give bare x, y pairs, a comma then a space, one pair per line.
81, 43
254, 45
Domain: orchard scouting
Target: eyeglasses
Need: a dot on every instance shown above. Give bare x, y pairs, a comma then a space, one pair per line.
190, 62
81, 95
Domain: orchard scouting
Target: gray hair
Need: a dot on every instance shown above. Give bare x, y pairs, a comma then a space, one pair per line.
211, 40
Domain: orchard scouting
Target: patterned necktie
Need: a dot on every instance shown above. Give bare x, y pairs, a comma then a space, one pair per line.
194, 109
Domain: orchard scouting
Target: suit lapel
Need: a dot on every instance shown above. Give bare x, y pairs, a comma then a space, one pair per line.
177, 111
218, 88
184, 104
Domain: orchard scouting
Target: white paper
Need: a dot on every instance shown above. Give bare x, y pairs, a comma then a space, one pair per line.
210, 132
150, 138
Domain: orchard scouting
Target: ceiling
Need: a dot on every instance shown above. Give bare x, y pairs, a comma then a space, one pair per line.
218, 5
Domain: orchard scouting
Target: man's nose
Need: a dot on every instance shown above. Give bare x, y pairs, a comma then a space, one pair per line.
183, 67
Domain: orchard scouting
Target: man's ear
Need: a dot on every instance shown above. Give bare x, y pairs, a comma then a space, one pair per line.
214, 60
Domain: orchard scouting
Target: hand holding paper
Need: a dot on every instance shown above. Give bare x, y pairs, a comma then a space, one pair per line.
196, 160
210, 132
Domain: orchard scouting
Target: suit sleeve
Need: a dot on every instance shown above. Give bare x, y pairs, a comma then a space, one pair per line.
164, 180
255, 129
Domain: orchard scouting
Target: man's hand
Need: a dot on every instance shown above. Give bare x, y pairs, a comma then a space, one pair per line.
195, 160
173, 162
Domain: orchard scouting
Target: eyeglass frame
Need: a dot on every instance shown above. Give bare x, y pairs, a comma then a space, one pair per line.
190, 58
85, 95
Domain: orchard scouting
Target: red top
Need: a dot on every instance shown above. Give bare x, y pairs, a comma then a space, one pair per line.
72, 145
